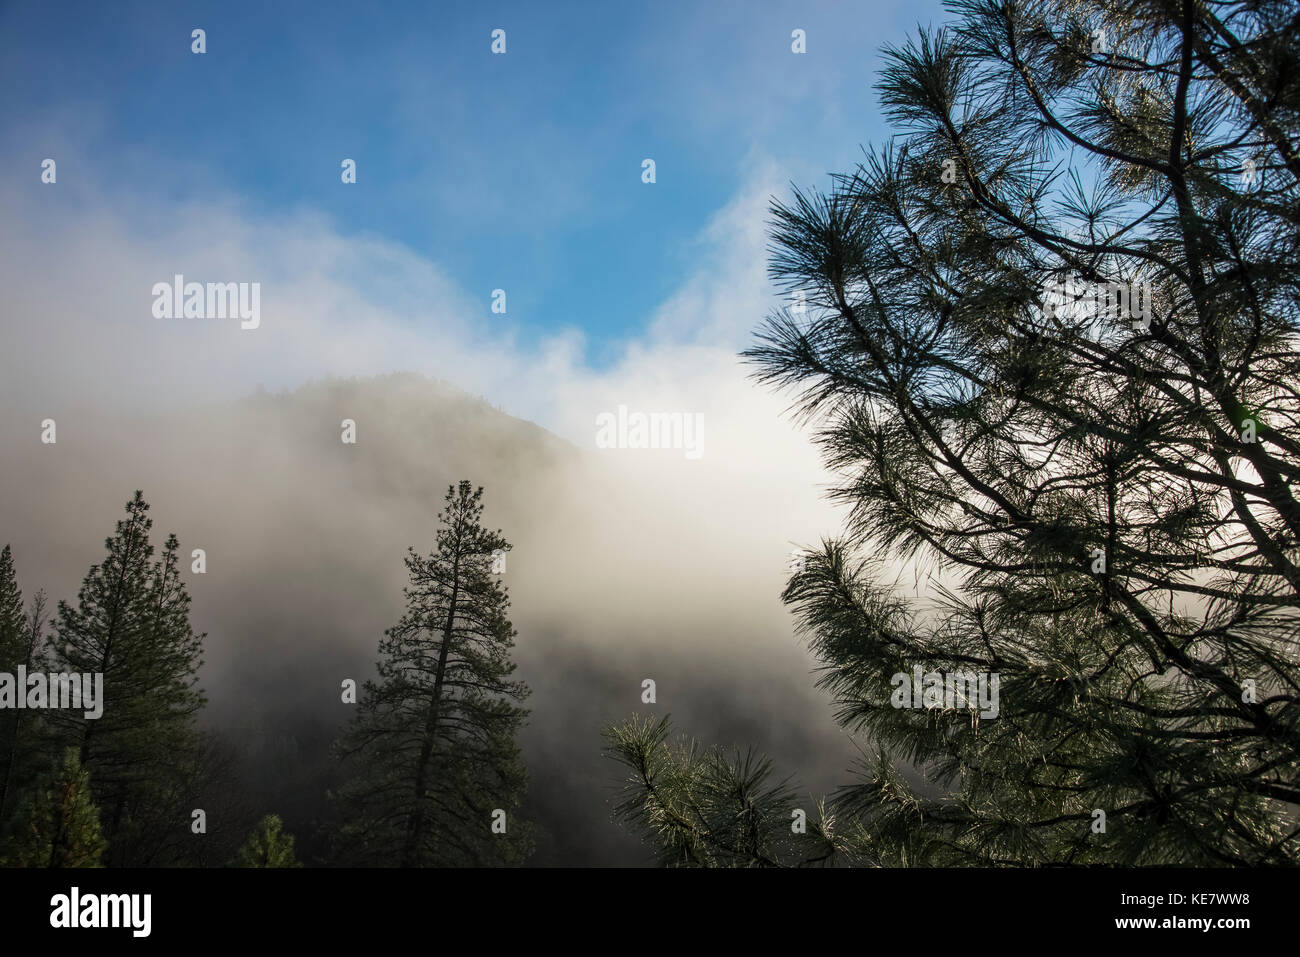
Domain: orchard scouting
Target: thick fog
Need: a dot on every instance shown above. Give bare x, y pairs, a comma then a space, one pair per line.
627, 564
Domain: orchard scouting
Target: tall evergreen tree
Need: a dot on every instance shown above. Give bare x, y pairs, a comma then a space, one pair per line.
1051, 344
13, 630
431, 755
13, 652
61, 826
21, 645
131, 624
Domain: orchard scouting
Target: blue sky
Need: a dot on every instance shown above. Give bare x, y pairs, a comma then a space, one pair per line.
519, 171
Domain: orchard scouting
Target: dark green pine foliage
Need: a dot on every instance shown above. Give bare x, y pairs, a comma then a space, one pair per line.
1104, 488
131, 623
13, 652
268, 846
61, 824
703, 807
22, 757
13, 622
431, 753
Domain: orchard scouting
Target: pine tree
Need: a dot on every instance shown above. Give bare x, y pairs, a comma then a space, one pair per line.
1050, 342
268, 846
131, 624
13, 631
62, 823
13, 652
705, 808
21, 645
431, 755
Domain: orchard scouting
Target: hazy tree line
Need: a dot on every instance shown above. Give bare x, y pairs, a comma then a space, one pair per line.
431, 774
1105, 483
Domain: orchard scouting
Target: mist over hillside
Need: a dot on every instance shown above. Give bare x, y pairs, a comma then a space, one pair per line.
622, 569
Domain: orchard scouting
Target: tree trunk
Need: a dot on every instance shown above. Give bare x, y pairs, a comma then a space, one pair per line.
416, 824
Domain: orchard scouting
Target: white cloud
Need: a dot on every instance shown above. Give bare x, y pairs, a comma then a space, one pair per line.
79, 330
